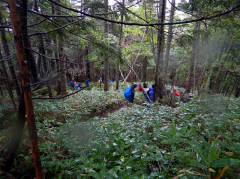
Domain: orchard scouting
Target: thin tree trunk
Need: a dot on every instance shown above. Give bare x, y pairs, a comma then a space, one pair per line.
26, 87
169, 37
214, 89
87, 66
61, 57
144, 69
237, 93
6, 80
120, 46
63, 75
207, 85
29, 56
106, 60
191, 73
10, 64
45, 65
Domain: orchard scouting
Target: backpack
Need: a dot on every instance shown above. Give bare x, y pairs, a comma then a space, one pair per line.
71, 83
128, 94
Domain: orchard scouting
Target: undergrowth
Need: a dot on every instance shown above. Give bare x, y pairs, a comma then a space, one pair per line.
194, 140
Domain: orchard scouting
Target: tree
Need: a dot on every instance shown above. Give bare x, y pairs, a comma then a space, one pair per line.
160, 46
26, 87
106, 60
169, 37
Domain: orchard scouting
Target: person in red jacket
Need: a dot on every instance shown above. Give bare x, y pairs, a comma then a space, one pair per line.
140, 89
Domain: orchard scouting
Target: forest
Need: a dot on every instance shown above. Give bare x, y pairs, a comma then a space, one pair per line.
119, 89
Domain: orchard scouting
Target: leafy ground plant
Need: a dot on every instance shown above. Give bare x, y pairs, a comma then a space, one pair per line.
139, 142
153, 142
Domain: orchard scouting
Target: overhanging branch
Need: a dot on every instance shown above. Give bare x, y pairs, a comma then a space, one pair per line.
148, 24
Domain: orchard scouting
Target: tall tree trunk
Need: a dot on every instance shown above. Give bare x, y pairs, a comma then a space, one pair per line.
10, 64
237, 92
193, 58
32, 65
214, 89
61, 57
45, 65
87, 66
169, 37
62, 75
6, 81
144, 69
120, 45
106, 60
26, 87
160, 43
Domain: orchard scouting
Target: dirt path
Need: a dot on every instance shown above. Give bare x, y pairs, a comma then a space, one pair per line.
105, 114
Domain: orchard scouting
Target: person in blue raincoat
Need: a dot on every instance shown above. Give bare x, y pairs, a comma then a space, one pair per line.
129, 93
87, 82
150, 92
72, 83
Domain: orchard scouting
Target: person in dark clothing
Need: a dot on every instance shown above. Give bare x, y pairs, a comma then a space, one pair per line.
79, 86
87, 82
129, 93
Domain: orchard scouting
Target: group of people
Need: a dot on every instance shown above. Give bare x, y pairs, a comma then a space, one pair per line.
148, 93
78, 86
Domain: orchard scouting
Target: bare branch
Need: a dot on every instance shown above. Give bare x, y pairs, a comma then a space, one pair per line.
48, 79
150, 24
58, 97
40, 33
232, 73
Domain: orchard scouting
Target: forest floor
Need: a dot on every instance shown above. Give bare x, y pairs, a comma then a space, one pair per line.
93, 134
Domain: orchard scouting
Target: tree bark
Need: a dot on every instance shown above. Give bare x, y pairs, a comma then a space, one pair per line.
18, 39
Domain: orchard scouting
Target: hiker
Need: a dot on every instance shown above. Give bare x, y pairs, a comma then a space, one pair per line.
79, 86
140, 89
163, 92
100, 80
75, 86
150, 92
129, 93
112, 80
175, 92
145, 90
71, 83
87, 82
187, 98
